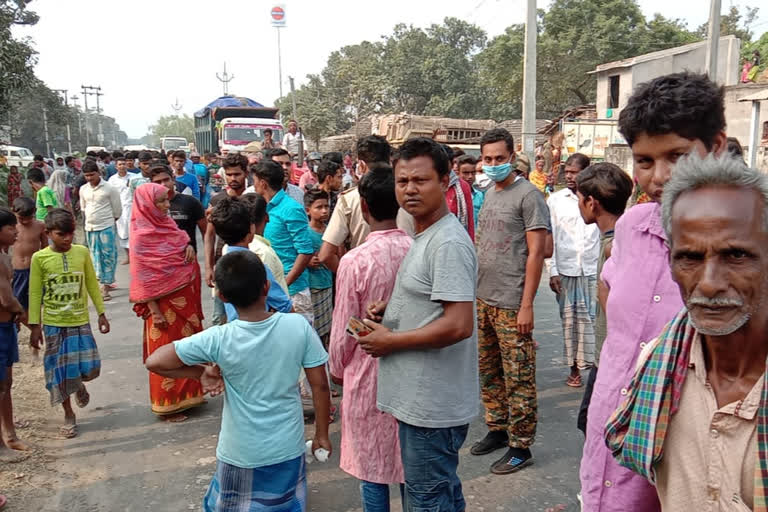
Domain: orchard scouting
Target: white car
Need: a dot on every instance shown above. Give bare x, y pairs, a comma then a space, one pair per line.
17, 155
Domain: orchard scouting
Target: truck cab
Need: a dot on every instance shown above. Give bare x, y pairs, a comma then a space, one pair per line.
237, 132
173, 143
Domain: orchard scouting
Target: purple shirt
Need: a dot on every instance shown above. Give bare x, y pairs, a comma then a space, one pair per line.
642, 300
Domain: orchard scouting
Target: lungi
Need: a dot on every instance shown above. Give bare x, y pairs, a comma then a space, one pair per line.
103, 249
578, 306
71, 358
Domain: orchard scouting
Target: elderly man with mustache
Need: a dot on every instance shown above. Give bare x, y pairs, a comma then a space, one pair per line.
695, 422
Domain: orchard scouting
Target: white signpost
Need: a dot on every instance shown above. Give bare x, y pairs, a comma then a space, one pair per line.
277, 18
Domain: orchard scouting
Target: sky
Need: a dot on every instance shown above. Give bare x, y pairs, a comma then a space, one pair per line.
151, 55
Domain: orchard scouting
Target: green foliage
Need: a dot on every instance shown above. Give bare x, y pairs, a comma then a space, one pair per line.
315, 109
734, 23
168, 126
17, 57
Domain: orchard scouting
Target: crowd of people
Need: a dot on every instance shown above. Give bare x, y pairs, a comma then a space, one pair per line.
407, 280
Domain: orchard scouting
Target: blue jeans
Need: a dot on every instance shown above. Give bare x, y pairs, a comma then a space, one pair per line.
430, 458
375, 496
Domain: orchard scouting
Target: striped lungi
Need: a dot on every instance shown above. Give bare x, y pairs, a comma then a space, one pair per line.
71, 358
322, 306
279, 487
578, 305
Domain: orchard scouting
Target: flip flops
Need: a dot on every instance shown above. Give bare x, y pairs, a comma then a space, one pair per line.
82, 398
68, 431
574, 381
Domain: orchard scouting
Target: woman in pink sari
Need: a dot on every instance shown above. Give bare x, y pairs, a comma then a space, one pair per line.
165, 290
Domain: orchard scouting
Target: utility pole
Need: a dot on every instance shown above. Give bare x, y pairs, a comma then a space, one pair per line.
75, 97
69, 132
87, 131
713, 39
296, 117
90, 90
176, 107
225, 78
529, 82
45, 130
98, 113
279, 62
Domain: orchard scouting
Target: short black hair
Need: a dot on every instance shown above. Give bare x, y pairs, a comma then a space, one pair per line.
257, 206
377, 188
36, 175
422, 146
145, 156
314, 194
579, 159
448, 151
69, 160
236, 160
267, 131
23, 207
120, 159
240, 278
687, 104
59, 219
334, 156
498, 135
117, 155
466, 159
177, 154
160, 169
7, 217
373, 148
608, 184
271, 153
232, 220
734, 147
327, 168
91, 166
271, 172
38, 158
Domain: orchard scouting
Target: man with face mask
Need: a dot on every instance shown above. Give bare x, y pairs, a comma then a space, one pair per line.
310, 178
511, 235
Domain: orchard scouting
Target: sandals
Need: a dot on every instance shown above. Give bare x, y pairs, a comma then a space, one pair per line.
82, 398
68, 431
3, 501
574, 381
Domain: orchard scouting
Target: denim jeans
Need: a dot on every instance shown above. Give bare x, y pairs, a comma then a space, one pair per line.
430, 458
375, 496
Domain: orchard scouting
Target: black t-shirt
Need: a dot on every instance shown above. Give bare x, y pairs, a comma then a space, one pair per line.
187, 212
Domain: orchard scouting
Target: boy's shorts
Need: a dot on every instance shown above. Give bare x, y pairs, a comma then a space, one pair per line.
9, 347
21, 286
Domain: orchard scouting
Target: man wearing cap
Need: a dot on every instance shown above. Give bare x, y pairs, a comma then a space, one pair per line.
310, 178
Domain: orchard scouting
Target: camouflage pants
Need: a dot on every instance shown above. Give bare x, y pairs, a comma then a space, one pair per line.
507, 363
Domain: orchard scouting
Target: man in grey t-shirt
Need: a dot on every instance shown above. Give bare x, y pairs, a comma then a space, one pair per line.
511, 235
428, 340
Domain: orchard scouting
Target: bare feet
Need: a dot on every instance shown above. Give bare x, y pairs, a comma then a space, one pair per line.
125, 262
175, 418
9, 456
17, 444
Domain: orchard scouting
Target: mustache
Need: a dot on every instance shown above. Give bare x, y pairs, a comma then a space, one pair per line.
715, 302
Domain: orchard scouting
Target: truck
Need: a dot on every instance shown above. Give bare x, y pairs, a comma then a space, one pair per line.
173, 143
232, 122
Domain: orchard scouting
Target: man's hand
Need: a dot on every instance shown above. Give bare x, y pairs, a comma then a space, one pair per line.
556, 285
315, 262
322, 442
375, 310
159, 321
337, 380
35, 336
103, 324
189, 254
209, 277
378, 342
212, 381
525, 320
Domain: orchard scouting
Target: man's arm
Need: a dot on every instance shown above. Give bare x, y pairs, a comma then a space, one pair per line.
209, 246
165, 362
536, 240
7, 300
335, 235
298, 227
329, 256
299, 265
117, 206
321, 399
456, 324
554, 276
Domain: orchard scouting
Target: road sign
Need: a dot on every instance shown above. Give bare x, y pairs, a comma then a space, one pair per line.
277, 15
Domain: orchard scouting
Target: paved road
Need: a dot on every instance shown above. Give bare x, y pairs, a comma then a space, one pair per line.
125, 459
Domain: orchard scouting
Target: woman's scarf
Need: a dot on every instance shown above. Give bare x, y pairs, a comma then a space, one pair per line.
461, 201
158, 247
58, 183
635, 432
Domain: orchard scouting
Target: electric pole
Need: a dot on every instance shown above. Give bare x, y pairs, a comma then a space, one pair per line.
45, 130
296, 117
529, 82
176, 107
69, 131
85, 112
713, 39
225, 78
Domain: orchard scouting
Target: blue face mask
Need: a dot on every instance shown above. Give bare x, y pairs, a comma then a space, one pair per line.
498, 172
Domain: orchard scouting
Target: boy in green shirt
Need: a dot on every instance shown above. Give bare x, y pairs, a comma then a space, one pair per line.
61, 278
46, 198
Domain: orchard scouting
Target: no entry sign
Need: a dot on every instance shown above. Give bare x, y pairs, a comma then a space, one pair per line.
277, 15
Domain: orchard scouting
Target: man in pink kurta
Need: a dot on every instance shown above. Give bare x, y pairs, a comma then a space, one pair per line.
370, 450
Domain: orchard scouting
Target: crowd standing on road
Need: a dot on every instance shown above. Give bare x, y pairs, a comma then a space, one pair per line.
407, 279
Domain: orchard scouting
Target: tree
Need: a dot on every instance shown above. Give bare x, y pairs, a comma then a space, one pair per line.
17, 57
734, 23
316, 113
170, 126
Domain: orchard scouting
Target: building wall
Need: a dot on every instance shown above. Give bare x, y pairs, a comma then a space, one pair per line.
693, 60
738, 116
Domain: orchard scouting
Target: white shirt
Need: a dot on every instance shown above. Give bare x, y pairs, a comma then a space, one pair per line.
577, 245
121, 183
101, 205
291, 142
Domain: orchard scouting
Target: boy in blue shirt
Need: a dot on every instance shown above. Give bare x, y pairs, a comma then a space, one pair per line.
260, 356
231, 218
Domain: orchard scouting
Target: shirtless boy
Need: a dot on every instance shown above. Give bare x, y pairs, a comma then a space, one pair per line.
11, 312
31, 238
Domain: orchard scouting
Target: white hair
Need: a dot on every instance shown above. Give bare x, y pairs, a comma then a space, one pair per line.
693, 172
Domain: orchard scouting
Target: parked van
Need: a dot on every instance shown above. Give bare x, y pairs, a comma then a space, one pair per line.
17, 155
